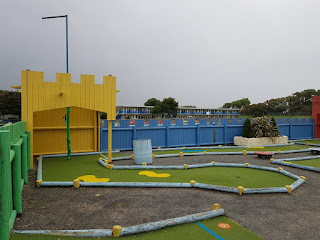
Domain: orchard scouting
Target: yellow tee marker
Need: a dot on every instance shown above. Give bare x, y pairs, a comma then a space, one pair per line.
92, 178
153, 174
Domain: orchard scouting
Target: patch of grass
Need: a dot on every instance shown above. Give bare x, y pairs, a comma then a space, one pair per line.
60, 169
189, 231
282, 148
311, 162
312, 141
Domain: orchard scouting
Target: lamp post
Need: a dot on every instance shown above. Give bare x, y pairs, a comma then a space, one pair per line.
63, 16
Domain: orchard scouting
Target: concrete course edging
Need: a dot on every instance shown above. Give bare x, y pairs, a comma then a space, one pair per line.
282, 162
151, 226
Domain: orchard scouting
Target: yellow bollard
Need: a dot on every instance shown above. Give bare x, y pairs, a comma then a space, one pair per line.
205, 152
247, 164
144, 164
184, 147
159, 147
304, 178
213, 162
106, 162
280, 168
216, 206
192, 182
181, 154
39, 182
132, 156
153, 156
101, 158
289, 188
244, 152
110, 166
185, 166
271, 159
307, 143
116, 230
279, 151
76, 183
220, 145
117, 149
240, 188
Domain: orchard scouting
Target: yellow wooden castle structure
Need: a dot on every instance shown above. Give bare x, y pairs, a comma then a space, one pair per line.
43, 108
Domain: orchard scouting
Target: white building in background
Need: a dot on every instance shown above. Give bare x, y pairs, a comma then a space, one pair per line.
144, 112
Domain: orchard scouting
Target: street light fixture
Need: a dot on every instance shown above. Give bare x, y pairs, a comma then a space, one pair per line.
63, 16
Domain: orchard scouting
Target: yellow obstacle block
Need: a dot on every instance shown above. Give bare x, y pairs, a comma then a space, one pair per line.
279, 151
240, 188
192, 182
153, 156
216, 206
244, 152
247, 164
144, 164
185, 166
76, 183
116, 230
213, 162
271, 159
39, 182
304, 178
280, 168
181, 154
132, 156
289, 188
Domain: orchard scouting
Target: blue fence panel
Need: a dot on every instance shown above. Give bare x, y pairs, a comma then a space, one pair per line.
182, 136
157, 135
217, 132
206, 135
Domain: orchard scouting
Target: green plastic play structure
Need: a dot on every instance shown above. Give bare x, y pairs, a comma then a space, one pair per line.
14, 166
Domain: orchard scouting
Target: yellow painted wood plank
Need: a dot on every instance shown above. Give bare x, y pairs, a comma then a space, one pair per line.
35, 91
24, 98
95, 140
98, 130
41, 99
113, 98
68, 94
62, 93
82, 91
55, 93
91, 93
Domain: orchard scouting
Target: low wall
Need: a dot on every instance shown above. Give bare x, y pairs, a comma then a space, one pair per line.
242, 141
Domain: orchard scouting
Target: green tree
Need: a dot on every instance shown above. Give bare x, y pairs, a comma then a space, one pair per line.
256, 110
237, 104
10, 103
152, 102
167, 108
247, 129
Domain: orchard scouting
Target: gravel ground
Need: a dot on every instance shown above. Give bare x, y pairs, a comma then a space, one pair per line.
271, 216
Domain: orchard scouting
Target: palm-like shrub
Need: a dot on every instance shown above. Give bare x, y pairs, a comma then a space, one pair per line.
274, 126
262, 128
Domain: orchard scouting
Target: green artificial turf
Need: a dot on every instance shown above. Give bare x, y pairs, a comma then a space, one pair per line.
312, 141
60, 169
189, 231
282, 148
311, 162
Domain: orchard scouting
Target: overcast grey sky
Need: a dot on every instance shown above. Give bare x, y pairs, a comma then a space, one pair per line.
203, 53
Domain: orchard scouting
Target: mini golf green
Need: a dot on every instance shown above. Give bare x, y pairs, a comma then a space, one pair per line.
310, 163
61, 169
189, 231
312, 141
253, 149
